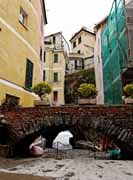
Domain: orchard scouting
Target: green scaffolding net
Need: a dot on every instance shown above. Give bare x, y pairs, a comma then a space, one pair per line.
114, 52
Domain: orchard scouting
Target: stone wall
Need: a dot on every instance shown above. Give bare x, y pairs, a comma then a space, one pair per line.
4, 150
25, 124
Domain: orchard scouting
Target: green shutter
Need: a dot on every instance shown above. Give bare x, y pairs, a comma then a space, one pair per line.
44, 75
55, 58
55, 77
29, 74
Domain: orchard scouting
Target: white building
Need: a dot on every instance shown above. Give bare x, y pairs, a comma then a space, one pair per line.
82, 50
98, 62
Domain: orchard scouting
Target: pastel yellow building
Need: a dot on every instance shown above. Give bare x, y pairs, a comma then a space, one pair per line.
56, 53
21, 49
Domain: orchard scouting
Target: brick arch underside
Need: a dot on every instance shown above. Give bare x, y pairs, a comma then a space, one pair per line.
49, 133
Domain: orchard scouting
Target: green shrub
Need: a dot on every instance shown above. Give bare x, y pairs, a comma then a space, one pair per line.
41, 89
129, 90
87, 90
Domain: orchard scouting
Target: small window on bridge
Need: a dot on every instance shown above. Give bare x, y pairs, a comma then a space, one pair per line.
12, 101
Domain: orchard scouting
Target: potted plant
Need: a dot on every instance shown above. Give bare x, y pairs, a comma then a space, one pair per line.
41, 89
128, 89
87, 93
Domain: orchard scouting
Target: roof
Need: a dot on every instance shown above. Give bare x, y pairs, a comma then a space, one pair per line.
100, 22
53, 34
82, 29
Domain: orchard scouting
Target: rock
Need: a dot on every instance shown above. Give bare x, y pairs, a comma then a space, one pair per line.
41, 142
36, 151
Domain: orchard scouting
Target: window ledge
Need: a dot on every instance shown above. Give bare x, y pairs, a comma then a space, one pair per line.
27, 89
23, 25
56, 81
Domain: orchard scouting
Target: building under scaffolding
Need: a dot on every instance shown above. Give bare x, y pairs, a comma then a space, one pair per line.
117, 51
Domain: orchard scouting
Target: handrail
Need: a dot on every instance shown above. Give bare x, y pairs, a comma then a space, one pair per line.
58, 150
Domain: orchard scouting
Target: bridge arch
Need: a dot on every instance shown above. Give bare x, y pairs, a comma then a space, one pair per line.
26, 124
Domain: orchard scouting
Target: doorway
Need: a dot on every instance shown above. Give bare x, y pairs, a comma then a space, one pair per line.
55, 96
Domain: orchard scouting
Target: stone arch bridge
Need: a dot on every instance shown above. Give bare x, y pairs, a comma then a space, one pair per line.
22, 126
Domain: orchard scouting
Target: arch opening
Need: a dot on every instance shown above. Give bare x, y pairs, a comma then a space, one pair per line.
23, 147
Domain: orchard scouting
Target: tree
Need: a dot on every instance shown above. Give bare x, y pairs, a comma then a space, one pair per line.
73, 81
129, 90
87, 90
41, 89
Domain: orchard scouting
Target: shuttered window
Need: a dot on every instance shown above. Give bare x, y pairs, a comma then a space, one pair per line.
55, 76
29, 74
44, 75
55, 58
41, 54
44, 56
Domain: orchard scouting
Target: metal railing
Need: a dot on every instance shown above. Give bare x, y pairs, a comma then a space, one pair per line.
63, 153
59, 151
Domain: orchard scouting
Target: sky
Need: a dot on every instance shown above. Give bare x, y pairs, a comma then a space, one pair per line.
68, 16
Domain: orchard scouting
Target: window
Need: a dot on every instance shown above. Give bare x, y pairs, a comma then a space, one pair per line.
55, 76
55, 96
55, 58
79, 40
54, 40
44, 56
79, 52
74, 44
29, 74
41, 54
12, 100
23, 17
83, 64
44, 75
76, 65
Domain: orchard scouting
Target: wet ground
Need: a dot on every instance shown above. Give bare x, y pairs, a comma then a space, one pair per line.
73, 165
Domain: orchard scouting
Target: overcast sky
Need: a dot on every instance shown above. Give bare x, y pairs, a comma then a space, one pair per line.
69, 16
